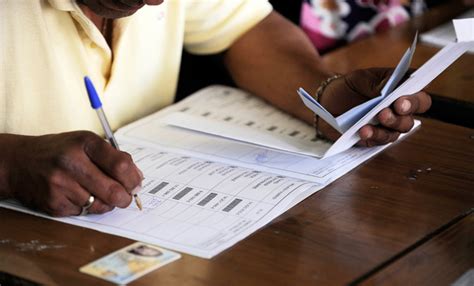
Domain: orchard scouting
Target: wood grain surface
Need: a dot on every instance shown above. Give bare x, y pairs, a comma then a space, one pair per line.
385, 50
439, 261
334, 237
386, 222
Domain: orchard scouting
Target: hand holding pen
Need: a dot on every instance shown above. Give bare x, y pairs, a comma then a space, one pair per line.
97, 106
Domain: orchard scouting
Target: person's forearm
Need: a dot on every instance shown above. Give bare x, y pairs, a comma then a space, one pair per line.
275, 58
7, 143
272, 60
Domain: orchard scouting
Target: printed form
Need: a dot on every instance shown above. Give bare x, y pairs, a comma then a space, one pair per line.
202, 193
234, 109
196, 206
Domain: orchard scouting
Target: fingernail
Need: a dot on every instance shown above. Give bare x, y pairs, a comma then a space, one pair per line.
369, 133
390, 118
406, 105
136, 190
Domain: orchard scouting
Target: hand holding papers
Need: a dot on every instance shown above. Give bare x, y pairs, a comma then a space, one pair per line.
350, 122
277, 131
343, 122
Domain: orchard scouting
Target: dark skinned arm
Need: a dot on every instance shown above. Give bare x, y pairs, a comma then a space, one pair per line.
275, 57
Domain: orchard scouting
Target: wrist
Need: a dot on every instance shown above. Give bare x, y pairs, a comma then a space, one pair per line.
318, 96
9, 143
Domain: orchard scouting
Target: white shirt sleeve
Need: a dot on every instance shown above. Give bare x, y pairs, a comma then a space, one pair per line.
213, 25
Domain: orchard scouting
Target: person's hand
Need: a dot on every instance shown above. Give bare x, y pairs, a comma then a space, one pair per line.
361, 85
57, 173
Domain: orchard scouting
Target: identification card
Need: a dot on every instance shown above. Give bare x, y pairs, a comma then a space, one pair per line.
130, 263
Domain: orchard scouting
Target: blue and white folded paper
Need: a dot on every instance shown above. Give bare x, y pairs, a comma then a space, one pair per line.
344, 121
279, 133
350, 122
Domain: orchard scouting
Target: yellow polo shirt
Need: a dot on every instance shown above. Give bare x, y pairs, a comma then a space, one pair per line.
47, 46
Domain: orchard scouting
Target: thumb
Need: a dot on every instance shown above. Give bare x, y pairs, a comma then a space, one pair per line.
368, 82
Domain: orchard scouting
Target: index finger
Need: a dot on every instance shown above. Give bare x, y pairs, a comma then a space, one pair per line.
97, 183
117, 164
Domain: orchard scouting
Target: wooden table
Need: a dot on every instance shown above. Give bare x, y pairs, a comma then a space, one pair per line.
452, 91
440, 260
369, 226
403, 217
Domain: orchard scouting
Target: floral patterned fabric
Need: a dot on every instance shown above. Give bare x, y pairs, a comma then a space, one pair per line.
330, 23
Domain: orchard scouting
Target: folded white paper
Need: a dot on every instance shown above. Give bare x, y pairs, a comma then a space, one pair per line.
278, 131
445, 34
346, 120
464, 29
350, 122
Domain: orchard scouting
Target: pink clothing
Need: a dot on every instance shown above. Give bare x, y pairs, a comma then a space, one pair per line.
332, 22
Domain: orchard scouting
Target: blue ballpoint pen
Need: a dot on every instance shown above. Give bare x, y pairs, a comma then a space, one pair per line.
97, 106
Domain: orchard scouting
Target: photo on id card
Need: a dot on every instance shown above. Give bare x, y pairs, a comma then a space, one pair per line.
130, 263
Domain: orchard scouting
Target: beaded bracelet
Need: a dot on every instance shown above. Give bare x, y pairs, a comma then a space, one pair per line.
317, 97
